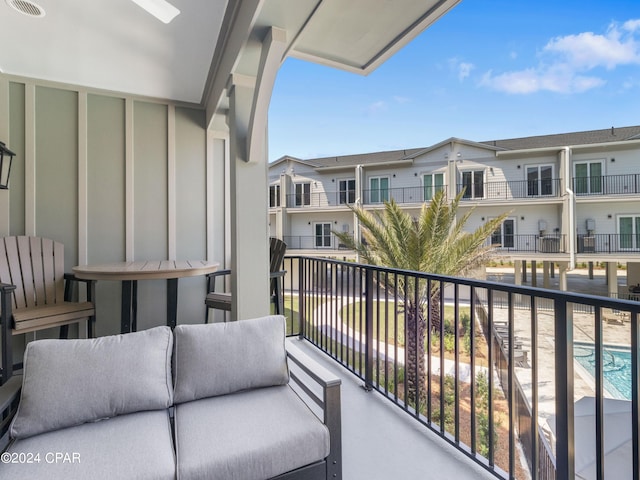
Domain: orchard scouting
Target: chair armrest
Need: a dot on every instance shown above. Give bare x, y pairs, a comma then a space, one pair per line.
211, 279
328, 401
218, 273
279, 273
9, 397
69, 278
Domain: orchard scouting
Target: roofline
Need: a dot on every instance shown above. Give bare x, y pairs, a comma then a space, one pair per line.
452, 140
557, 148
329, 168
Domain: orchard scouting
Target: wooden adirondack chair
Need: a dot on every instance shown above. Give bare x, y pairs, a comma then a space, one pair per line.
35, 293
222, 300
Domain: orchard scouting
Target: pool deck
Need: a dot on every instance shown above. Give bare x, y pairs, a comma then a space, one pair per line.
618, 334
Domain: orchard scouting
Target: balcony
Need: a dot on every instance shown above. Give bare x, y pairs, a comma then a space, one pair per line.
608, 243
513, 189
628, 184
313, 242
369, 197
555, 243
527, 384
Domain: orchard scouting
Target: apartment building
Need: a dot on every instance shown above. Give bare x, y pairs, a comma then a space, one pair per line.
571, 198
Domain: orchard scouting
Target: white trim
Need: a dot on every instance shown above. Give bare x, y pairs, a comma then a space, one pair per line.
171, 183
30, 159
371, 189
538, 166
635, 244
5, 212
603, 164
515, 231
322, 236
83, 188
129, 182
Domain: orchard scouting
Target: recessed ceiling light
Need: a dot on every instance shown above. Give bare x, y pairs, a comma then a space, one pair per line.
162, 10
26, 7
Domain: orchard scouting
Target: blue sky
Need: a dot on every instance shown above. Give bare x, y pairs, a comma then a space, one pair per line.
487, 70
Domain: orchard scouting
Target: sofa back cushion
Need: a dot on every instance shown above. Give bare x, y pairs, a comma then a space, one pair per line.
221, 358
70, 382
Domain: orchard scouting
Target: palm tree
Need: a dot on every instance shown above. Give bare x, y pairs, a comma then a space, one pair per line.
433, 243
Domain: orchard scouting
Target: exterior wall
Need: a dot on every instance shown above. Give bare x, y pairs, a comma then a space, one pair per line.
506, 189
94, 170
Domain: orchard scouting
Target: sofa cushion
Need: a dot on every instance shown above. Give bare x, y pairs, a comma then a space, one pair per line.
137, 445
222, 358
252, 435
70, 382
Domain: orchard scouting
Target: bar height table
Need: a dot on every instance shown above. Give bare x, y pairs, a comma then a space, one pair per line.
130, 272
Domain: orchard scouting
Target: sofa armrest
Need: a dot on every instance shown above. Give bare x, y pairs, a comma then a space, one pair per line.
9, 397
304, 374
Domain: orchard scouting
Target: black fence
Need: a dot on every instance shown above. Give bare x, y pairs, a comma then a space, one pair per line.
460, 357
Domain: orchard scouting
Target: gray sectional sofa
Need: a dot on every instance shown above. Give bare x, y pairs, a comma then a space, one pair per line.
227, 401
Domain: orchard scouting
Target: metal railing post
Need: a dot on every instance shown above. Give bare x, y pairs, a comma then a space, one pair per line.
565, 461
368, 321
301, 298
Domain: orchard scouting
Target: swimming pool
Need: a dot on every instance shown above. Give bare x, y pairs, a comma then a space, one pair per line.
616, 370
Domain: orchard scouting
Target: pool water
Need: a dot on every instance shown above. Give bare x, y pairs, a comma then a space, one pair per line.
616, 369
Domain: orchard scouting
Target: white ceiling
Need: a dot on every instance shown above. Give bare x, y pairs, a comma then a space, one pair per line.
116, 45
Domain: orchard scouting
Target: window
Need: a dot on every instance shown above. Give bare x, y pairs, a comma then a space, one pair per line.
379, 189
504, 236
347, 189
539, 180
433, 182
629, 230
588, 178
323, 235
303, 194
473, 184
274, 195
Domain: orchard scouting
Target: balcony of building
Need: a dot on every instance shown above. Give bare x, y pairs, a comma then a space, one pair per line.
520, 381
511, 190
627, 184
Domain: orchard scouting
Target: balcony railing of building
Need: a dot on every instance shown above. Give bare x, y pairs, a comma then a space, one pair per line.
496, 381
609, 243
511, 189
369, 197
313, 242
554, 243
626, 184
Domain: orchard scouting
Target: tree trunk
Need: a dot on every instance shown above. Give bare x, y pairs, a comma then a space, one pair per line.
434, 308
415, 373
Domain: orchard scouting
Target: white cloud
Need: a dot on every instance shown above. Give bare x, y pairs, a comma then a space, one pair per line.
566, 61
375, 107
461, 69
401, 99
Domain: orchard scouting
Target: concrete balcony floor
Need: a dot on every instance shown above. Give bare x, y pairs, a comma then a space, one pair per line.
380, 441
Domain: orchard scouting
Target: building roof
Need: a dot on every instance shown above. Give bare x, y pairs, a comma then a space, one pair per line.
612, 134
607, 135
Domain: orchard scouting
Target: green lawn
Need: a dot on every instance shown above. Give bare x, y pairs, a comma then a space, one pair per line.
381, 324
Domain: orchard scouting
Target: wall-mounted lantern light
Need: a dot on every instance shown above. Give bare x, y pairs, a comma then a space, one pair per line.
6, 157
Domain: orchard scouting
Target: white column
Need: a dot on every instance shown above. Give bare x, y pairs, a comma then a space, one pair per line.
546, 281
248, 194
517, 272
249, 99
563, 267
612, 278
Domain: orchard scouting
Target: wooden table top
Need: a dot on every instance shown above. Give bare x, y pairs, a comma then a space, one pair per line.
145, 270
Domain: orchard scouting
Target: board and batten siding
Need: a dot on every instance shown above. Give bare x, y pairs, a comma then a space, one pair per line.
113, 178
